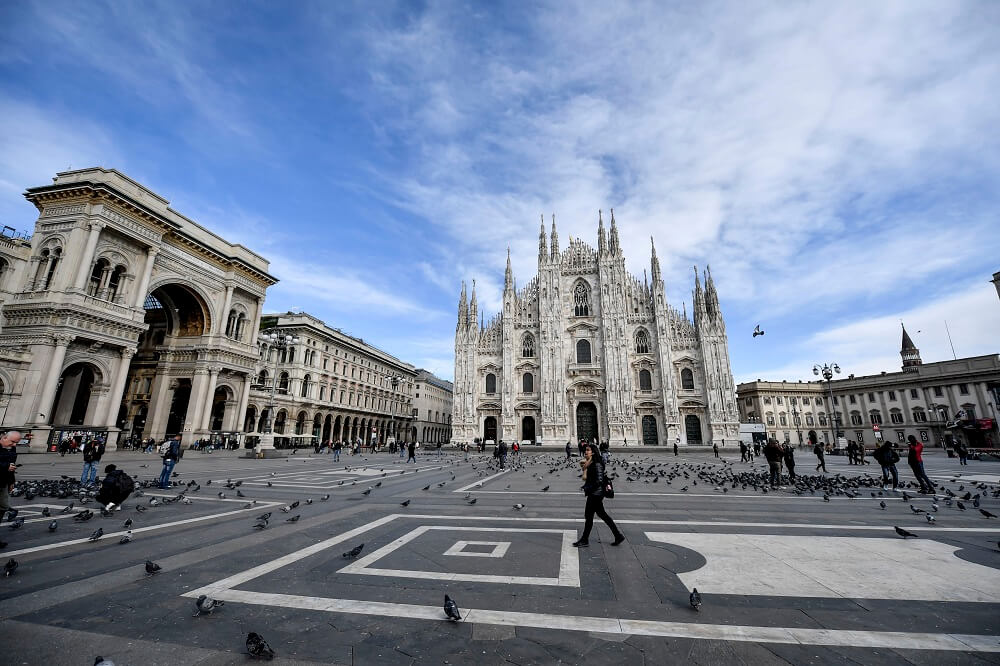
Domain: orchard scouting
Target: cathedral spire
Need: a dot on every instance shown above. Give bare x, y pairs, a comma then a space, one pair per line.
654, 262
615, 246
473, 306
508, 278
543, 248
555, 238
463, 309
711, 295
909, 352
602, 242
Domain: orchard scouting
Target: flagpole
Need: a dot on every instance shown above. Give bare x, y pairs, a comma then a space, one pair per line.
954, 355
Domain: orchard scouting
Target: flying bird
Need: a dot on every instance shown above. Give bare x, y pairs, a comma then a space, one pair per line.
757, 331
258, 647
152, 567
353, 552
695, 599
903, 533
451, 609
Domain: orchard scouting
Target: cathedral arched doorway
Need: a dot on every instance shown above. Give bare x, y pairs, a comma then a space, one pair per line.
586, 421
490, 428
528, 429
73, 397
649, 435
692, 426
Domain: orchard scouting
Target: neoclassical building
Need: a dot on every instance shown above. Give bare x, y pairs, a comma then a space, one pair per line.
120, 315
329, 386
432, 398
586, 350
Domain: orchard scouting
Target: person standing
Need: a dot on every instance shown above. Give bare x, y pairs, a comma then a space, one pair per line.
502, 454
569, 451
92, 452
594, 483
170, 458
337, 446
411, 449
962, 450
676, 448
818, 451
743, 452
915, 459
715, 449
887, 459
789, 455
772, 453
8, 463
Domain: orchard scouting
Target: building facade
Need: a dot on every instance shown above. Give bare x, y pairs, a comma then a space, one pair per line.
120, 315
938, 403
432, 405
329, 386
587, 351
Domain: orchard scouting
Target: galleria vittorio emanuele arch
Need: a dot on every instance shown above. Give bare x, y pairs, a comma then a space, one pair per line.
122, 316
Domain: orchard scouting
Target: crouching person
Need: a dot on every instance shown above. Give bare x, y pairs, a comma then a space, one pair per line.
115, 488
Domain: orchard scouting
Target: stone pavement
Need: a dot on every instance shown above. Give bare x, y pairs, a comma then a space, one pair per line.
785, 578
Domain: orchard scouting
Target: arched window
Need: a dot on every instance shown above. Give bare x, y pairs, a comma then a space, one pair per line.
291, 355
115, 283
581, 300
527, 382
645, 380
283, 382
583, 351
101, 266
491, 383
528, 345
641, 342
305, 386
241, 322
262, 378
687, 379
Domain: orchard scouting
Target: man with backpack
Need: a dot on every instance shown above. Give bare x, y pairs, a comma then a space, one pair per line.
92, 452
171, 455
115, 488
887, 458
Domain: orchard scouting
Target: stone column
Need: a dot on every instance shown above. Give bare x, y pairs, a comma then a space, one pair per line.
161, 397
147, 272
209, 399
224, 315
256, 322
241, 405
192, 419
118, 387
87, 258
44, 406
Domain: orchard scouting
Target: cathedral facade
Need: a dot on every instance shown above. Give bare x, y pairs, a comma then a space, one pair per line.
587, 351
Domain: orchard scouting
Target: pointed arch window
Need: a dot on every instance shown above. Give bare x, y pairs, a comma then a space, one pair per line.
528, 345
581, 300
641, 341
491, 383
687, 379
645, 380
527, 383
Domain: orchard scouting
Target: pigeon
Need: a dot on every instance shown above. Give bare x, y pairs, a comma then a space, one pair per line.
545, 489
285, 509
222, 495
140, 508
427, 487
903, 533
929, 517
240, 494
695, 599
915, 509
10, 567
98, 533
405, 503
68, 508
264, 516
960, 505
882, 504
17, 524
987, 514
206, 604
367, 492
353, 552
473, 500
53, 526
451, 609
258, 647
152, 567
46, 512
294, 518
262, 525
906, 496
324, 497
309, 501
154, 502
101, 661
757, 331
518, 506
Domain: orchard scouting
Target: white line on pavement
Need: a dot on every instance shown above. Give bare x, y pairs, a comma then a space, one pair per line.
480, 482
723, 632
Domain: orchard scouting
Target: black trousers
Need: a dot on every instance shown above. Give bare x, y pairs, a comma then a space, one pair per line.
595, 505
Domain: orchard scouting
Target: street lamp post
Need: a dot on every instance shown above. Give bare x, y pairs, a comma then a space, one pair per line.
392, 408
277, 341
827, 370
798, 423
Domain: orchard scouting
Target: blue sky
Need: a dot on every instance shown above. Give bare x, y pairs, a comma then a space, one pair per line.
835, 163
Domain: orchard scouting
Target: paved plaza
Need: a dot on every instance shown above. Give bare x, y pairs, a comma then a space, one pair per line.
785, 578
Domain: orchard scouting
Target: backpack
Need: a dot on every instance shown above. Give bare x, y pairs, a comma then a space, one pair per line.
125, 483
164, 447
817, 449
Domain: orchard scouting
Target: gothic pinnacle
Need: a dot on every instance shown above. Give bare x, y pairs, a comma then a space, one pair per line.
508, 282
555, 238
615, 246
543, 249
602, 242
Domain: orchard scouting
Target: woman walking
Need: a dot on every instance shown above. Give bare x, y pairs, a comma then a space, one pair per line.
594, 482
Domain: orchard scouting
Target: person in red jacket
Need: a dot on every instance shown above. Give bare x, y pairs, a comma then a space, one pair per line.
915, 459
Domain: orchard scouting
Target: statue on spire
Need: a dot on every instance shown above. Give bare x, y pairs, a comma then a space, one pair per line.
555, 238
508, 281
602, 242
615, 246
543, 248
